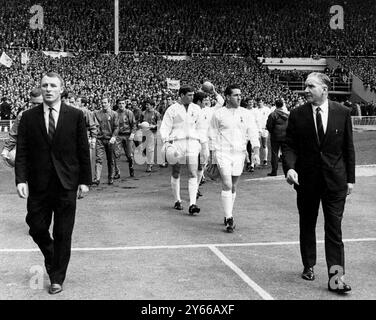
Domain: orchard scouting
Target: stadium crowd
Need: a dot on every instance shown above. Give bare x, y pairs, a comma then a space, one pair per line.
140, 78
364, 68
256, 28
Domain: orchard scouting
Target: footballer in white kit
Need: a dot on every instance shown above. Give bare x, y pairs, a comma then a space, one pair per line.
202, 99
263, 114
230, 129
184, 137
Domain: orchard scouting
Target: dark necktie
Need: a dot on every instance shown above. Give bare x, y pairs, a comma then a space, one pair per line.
51, 125
320, 127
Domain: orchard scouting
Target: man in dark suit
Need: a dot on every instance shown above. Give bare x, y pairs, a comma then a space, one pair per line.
320, 161
52, 165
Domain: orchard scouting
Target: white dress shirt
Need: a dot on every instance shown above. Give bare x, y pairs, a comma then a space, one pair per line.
55, 113
324, 114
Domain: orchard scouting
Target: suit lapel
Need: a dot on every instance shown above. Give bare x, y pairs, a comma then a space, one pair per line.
311, 123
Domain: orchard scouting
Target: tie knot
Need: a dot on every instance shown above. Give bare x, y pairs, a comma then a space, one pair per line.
318, 109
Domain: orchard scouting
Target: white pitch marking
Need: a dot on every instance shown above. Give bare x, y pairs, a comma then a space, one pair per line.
188, 246
363, 170
241, 274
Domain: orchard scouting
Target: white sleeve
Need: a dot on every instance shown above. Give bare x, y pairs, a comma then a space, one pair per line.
253, 130
166, 125
213, 132
202, 127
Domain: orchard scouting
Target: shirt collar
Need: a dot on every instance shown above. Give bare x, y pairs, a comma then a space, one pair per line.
324, 107
56, 107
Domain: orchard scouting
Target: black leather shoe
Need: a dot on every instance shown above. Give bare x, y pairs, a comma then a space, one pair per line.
55, 288
272, 174
117, 176
199, 194
230, 226
308, 274
110, 181
178, 205
338, 286
193, 209
96, 182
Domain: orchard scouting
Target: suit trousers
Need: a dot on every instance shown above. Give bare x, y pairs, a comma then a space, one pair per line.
40, 206
333, 203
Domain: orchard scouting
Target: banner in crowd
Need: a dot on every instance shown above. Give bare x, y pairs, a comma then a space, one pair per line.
173, 84
25, 57
176, 58
58, 54
5, 60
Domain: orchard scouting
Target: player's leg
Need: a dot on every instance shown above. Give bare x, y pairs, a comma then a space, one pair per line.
200, 174
192, 165
99, 153
224, 164
150, 142
128, 149
109, 149
264, 146
116, 156
175, 186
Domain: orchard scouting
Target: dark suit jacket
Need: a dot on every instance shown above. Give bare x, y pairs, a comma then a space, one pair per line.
334, 159
68, 154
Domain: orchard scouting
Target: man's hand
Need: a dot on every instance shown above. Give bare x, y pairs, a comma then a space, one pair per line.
82, 188
292, 177
23, 190
350, 187
5, 154
112, 140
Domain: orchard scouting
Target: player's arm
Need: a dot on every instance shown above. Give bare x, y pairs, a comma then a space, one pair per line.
166, 125
252, 131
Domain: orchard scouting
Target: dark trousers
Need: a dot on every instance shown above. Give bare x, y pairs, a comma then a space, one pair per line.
103, 147
333, 204
123, 142
275, 146
40, 206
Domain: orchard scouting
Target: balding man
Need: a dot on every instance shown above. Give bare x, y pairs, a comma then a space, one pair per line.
320, 161
52, 165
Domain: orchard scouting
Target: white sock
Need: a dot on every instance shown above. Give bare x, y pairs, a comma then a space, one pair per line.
175, 186
266, 154
226, 197
192, 190
200, 174
233, 200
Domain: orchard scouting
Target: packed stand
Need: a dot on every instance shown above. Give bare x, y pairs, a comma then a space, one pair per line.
364, 68
141, 79
257, 28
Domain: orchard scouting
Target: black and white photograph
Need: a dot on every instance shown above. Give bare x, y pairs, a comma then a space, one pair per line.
189, 156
